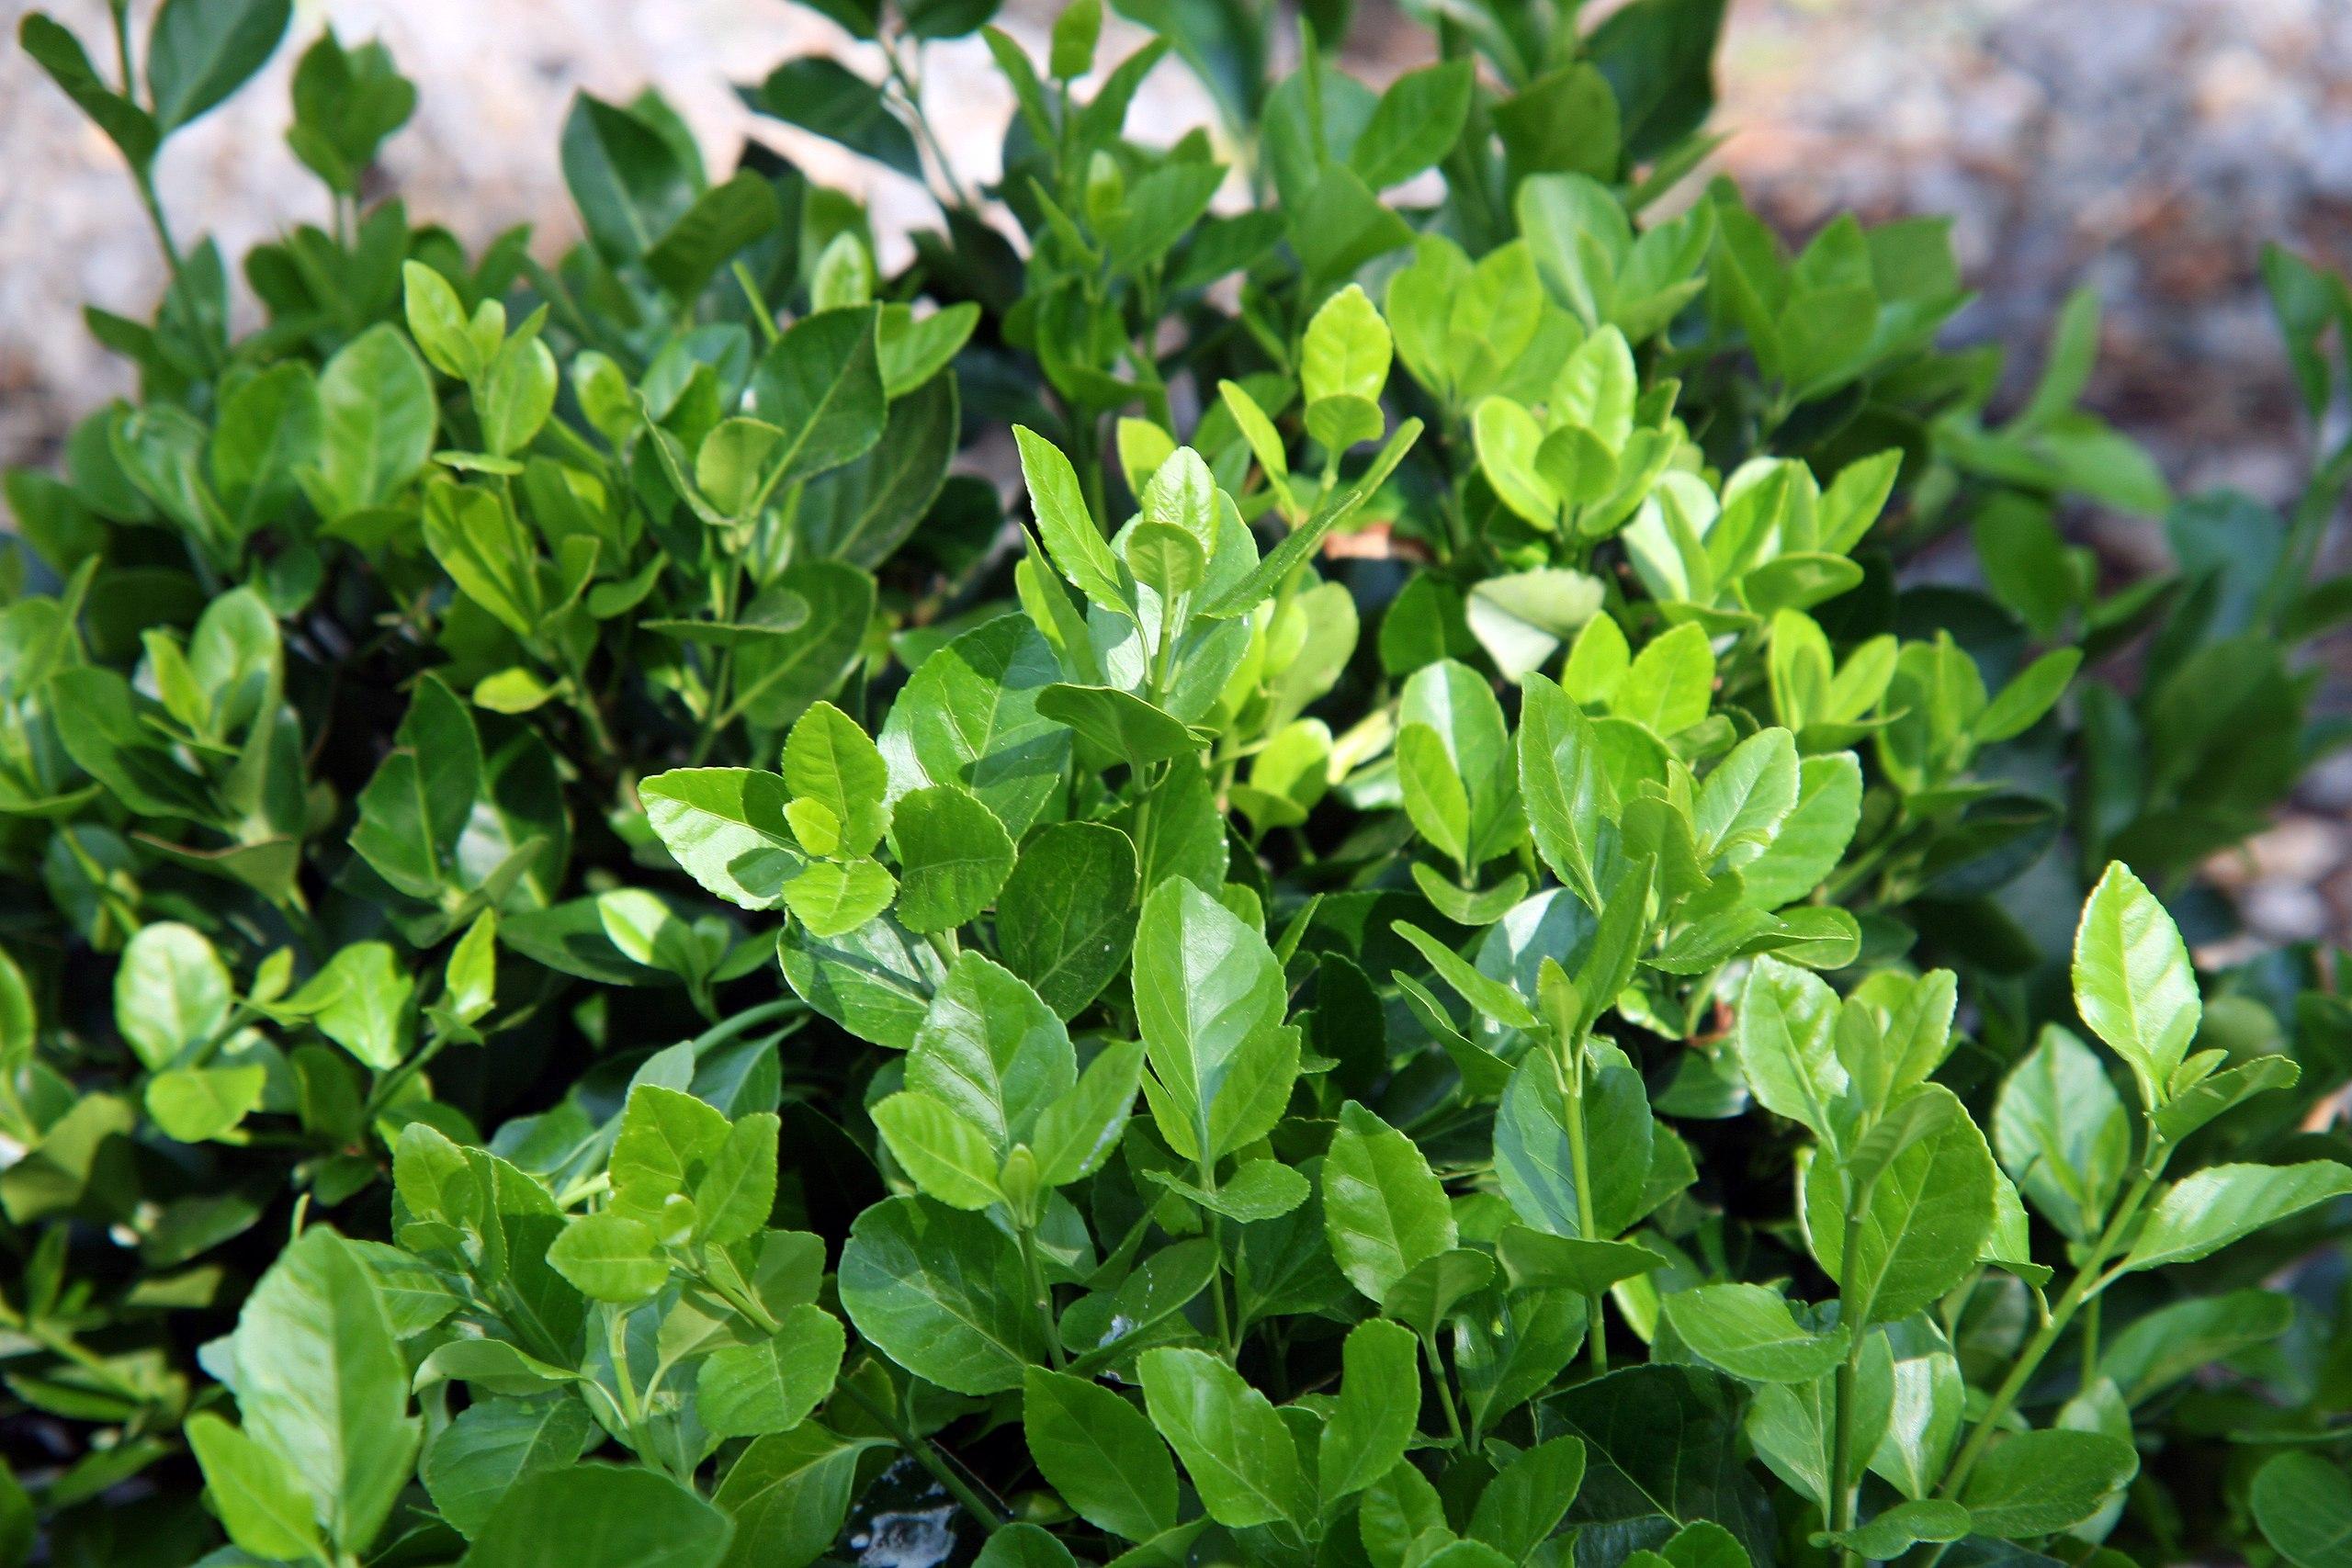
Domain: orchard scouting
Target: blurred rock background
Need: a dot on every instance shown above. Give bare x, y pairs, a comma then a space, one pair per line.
2147, 147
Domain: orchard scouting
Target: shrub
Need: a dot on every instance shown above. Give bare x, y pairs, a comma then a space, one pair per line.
1472, 965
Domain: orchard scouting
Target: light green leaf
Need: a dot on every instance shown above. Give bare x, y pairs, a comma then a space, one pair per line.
2133, 980
256, 1492
2200, 1215
1748, 1331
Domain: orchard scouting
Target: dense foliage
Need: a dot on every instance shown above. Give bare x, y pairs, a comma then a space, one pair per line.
1490, 928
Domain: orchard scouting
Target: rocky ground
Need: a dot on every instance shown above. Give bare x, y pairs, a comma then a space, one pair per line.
2144, 146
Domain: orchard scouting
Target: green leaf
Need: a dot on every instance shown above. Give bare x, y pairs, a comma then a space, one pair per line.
2303, 1505
322, 1382
195, 1104
1076, 1134
1373, 1420
1453, 704
2133, 983
379, 420
1498, 1001
1068, 529
1534, 1161
1347, 348
1278, 564
787, 1494
2200, 1215
940, 1291
1664, 1439
360, 1000
1563, 780
414, 812
1748, 1331
1523, 618
470, 1463
1525, 1502
877, 981
609, 1256
862, 512
1166, 559
199, 52
1430, 1290
478, 540
260, 1500
59, 53
827, 97
742, 1390
1783, 1038
1100, 1453
1382, 1206
1119, 722
1209, 1001
666, 1143
1747, 797
1066, 917
630, 183
1536, 1260
2180, 1338
172, 993
969, 716
821, 385
834, 897
600, 1516
1891, 1531
2208, 1097
726, 827
777, 677
2021, 703
2038, 1482
949, 1155
1812, 838
992, 1051
829, 759
1926, 1208
1670, 682
722, 220
1416, 123
737, 1192
2062, 1134
1235, 1447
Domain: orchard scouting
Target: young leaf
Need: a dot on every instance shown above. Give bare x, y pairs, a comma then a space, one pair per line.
2200, 1215
2133, 982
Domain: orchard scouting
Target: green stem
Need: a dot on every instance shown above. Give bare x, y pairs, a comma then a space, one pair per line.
1040, 1294
632, 1413
1569, 1068
392, 1083
144, 178
2086, 1278
747, 1020
1843, 1483
927, 1455
770, 334
1444, 1390
1225, 1335
2090, 1343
